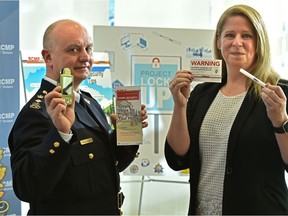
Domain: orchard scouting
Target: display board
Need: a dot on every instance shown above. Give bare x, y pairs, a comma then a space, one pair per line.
150, 57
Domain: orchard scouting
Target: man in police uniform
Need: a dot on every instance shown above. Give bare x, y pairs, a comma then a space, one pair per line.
64, 157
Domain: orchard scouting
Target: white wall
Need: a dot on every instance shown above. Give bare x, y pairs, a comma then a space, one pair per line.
158, 198
36, 15
163, 13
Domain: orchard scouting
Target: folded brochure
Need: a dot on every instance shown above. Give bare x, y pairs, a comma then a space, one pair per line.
128, 110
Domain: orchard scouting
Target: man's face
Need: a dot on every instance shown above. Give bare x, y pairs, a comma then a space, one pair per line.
72, 47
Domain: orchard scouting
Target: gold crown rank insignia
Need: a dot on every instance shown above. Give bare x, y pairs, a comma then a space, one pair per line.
35, 105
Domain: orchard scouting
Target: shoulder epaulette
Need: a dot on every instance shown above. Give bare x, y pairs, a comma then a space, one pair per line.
36, 104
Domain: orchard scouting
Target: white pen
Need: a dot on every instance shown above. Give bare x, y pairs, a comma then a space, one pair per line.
252, 77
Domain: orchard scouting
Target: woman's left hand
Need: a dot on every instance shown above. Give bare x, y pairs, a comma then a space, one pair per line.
275, 102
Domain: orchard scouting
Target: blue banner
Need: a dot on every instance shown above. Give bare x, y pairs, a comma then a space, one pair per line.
9, 94
111, 12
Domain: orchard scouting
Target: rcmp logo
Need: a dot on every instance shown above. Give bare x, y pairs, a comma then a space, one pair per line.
145, 162
158, 168
134, 169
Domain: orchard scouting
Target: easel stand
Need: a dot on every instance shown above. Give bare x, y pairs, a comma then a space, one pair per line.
149, 179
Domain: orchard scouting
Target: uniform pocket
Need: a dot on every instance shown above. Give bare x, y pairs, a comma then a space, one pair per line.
86, 153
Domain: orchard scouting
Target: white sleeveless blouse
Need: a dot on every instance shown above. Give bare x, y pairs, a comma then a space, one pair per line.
213, 141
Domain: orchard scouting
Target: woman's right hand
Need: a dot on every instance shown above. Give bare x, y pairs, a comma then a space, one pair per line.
180, 87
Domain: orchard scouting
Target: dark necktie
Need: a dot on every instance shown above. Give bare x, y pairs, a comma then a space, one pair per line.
82, 101
84, 105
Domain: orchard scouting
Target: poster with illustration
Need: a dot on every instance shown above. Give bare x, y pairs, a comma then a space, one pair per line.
149, 58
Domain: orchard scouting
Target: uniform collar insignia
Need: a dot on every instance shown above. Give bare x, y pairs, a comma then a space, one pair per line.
87, 101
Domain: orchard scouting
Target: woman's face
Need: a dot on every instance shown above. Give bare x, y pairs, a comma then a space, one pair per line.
237, 42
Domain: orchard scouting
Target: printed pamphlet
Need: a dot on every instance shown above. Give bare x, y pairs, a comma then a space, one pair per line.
128, 110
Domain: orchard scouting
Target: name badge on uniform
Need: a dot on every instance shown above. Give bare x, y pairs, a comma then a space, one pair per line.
86, 141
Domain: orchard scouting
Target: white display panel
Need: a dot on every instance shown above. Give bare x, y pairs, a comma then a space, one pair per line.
150, 57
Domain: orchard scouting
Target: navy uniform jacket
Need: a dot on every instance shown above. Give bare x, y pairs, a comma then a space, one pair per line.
254, 181
55, 177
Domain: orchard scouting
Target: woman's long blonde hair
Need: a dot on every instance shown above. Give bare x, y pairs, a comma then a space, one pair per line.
262, 66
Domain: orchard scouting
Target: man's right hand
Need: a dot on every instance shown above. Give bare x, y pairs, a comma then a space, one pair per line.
61, 114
